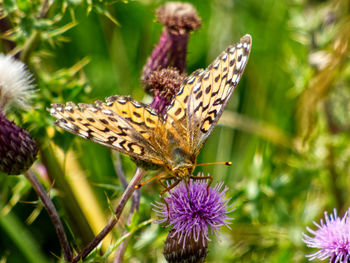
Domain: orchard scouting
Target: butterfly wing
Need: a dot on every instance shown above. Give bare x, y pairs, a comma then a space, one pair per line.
136, 129
120, 123
204, 94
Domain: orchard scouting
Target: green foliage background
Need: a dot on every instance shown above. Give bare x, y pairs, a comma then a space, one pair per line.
286, 128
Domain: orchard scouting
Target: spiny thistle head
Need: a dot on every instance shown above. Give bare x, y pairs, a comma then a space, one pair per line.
17, 148
193, 208
331, 238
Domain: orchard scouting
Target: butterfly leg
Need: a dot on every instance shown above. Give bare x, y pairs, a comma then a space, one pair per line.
203, 178
161, 175
167, 189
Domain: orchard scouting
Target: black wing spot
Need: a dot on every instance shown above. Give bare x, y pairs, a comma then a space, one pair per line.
232, 62
136, 114
112, 139
150, 121
217, 78
239, 58
217, 102
112, 119
178, 111
214, 112
122, 133
186, 99
198, 107
91, 119
105, 130
199, 95
104, 121
207, 90
122, 144
63, 120
90, 136
75, 128
215, 93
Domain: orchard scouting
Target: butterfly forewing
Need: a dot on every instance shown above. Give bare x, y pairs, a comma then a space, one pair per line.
101, 124
204, 94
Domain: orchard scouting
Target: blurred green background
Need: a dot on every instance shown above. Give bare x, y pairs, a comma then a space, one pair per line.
286, 128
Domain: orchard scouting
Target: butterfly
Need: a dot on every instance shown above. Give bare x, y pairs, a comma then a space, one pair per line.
171, 140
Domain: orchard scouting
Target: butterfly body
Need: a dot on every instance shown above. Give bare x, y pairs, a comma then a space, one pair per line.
171, 140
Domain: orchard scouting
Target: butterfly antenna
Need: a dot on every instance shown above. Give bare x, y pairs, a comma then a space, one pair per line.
225, 163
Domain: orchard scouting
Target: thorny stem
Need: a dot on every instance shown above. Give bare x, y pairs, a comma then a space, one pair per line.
51, 210
134, 207
139, 174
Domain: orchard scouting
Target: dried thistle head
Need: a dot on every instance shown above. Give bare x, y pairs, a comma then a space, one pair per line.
163, 84
178, 17
178, 20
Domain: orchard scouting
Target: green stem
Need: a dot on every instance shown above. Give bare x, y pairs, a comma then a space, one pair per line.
139, 174
51, 210
29, 46
74, 213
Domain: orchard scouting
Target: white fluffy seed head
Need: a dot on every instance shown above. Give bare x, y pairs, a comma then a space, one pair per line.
16, 86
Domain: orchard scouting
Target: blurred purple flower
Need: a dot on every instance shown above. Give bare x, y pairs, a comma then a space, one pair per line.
195, 210
332, 238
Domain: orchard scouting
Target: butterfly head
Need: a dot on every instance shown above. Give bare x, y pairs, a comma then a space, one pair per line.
182, 170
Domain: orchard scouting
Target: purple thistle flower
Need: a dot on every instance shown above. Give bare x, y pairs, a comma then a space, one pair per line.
194, 209
332, 238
